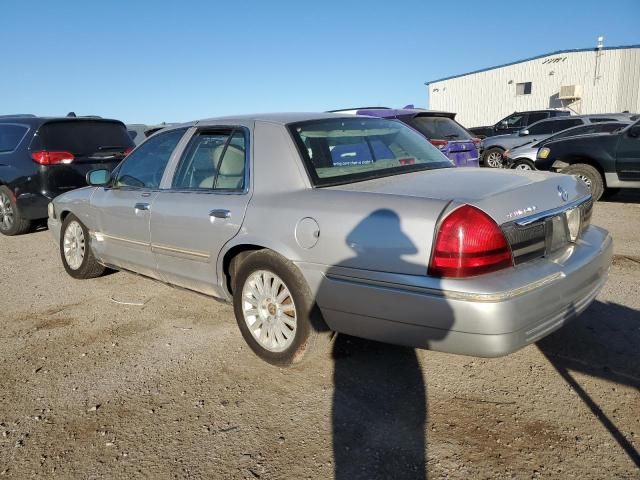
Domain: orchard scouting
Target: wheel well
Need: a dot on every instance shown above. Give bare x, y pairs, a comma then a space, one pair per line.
63, 215
585, 160
233, 258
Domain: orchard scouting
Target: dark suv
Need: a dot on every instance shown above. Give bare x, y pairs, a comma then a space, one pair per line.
516, 122
41, 158
604, 161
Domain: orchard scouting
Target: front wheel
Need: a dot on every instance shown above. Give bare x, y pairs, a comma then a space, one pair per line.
590, 176
77, 257
523, 164
493, 158
275, 311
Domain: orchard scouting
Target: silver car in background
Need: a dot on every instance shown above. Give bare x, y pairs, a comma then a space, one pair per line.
319, 223
493, 148
523, 157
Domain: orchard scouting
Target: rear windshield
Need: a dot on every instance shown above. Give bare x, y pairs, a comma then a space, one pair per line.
10, 136
345, 150
440, 128
85, 136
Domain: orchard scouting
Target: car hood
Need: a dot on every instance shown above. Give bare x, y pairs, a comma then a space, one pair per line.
500, 193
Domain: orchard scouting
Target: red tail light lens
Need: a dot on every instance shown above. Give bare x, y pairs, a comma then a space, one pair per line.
407, 161
128, 151
45, 157
439, 143
469, 243
476, 141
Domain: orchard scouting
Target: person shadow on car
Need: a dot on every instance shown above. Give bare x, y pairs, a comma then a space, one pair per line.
379, 410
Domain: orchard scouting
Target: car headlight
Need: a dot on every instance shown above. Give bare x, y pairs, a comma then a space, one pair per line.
573, 222
51, 211
543, 152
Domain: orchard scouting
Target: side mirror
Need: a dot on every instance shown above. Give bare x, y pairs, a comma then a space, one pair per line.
523, 133
634, 131
99, 177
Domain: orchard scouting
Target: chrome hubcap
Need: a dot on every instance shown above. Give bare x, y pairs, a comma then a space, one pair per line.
494, 160
6, 212
269, 311
523, 166
74, 245
586, 180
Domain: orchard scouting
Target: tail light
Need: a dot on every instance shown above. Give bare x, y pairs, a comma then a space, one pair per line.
439, 143
46, 157
128, 151
469, 243
476, 141
407, 161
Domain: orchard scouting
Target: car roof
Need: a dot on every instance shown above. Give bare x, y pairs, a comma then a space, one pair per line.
33, 120
283, 118
396, 112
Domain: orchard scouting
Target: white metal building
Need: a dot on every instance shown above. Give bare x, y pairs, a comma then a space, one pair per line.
595, 80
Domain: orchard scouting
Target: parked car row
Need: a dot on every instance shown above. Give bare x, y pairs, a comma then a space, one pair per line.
319, 223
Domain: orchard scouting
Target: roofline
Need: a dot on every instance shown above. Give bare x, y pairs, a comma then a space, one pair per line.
559, 52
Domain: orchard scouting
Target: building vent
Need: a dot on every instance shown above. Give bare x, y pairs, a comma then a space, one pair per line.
570, 92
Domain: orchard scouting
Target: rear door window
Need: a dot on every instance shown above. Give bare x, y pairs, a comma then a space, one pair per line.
84, 137
536, 117
439, 128
145, 167
10, 136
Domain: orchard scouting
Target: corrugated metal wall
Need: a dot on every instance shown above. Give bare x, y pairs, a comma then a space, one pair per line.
610, 80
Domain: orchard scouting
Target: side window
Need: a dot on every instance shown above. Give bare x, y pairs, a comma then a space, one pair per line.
213, 160
536, 117
144, 167
560, 125
10, 136
542, 128
602, 119
515, 120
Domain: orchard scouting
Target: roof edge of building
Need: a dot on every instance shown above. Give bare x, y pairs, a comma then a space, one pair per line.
559, 52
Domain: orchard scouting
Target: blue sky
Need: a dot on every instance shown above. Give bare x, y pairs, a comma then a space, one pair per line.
151, 61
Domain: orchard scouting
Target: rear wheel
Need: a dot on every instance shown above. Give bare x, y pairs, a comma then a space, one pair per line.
523, 164
590, 176
275, 310
11, 223
77, 257
493, 158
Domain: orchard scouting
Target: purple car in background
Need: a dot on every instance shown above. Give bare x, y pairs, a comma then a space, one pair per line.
440, 128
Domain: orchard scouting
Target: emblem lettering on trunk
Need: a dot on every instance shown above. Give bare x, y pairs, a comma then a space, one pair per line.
523, 211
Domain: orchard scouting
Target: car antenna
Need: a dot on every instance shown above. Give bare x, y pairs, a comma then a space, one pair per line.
71, 114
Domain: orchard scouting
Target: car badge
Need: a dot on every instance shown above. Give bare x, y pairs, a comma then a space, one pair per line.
563, 194
521, 211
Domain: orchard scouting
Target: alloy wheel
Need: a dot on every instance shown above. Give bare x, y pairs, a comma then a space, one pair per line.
74, 245
586, 180
269, 310
523, 166
494, 160
6, 212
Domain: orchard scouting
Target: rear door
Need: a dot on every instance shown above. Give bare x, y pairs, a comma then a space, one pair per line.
91, 143
122, 209
628, 154
203, 208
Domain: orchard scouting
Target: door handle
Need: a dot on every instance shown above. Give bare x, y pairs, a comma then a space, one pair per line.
220, 213
142, 206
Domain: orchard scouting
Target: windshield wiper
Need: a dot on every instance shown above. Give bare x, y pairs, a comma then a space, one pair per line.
453, 135
111, 147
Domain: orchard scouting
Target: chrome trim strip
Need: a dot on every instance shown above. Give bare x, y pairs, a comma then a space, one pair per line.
457, 295
550, 213
121, 239
192, 253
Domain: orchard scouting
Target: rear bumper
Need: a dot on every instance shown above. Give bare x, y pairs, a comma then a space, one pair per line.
33, 206
498, 314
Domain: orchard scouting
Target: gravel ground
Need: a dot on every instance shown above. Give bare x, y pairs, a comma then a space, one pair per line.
124, 377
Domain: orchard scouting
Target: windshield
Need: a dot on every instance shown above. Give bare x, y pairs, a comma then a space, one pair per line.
345, 150
585, 130
440, 128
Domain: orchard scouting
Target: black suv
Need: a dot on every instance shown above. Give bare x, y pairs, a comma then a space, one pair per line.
41, 158
604, 161
516, 122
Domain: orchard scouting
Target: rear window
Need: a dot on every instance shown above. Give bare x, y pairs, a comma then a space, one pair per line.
84, 136
10, 136
440, 128
345, 150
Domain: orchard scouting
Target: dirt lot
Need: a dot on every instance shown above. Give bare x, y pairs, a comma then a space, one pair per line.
94, 388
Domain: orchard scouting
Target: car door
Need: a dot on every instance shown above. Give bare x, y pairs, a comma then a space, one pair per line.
203, 208
122, 208
628, 154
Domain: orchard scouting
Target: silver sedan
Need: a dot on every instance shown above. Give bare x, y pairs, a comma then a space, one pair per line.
319, 223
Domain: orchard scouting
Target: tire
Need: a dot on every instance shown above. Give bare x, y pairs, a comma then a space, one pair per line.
11, 223
78, 261
523, 164
290, 302
492, 158
589, 175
